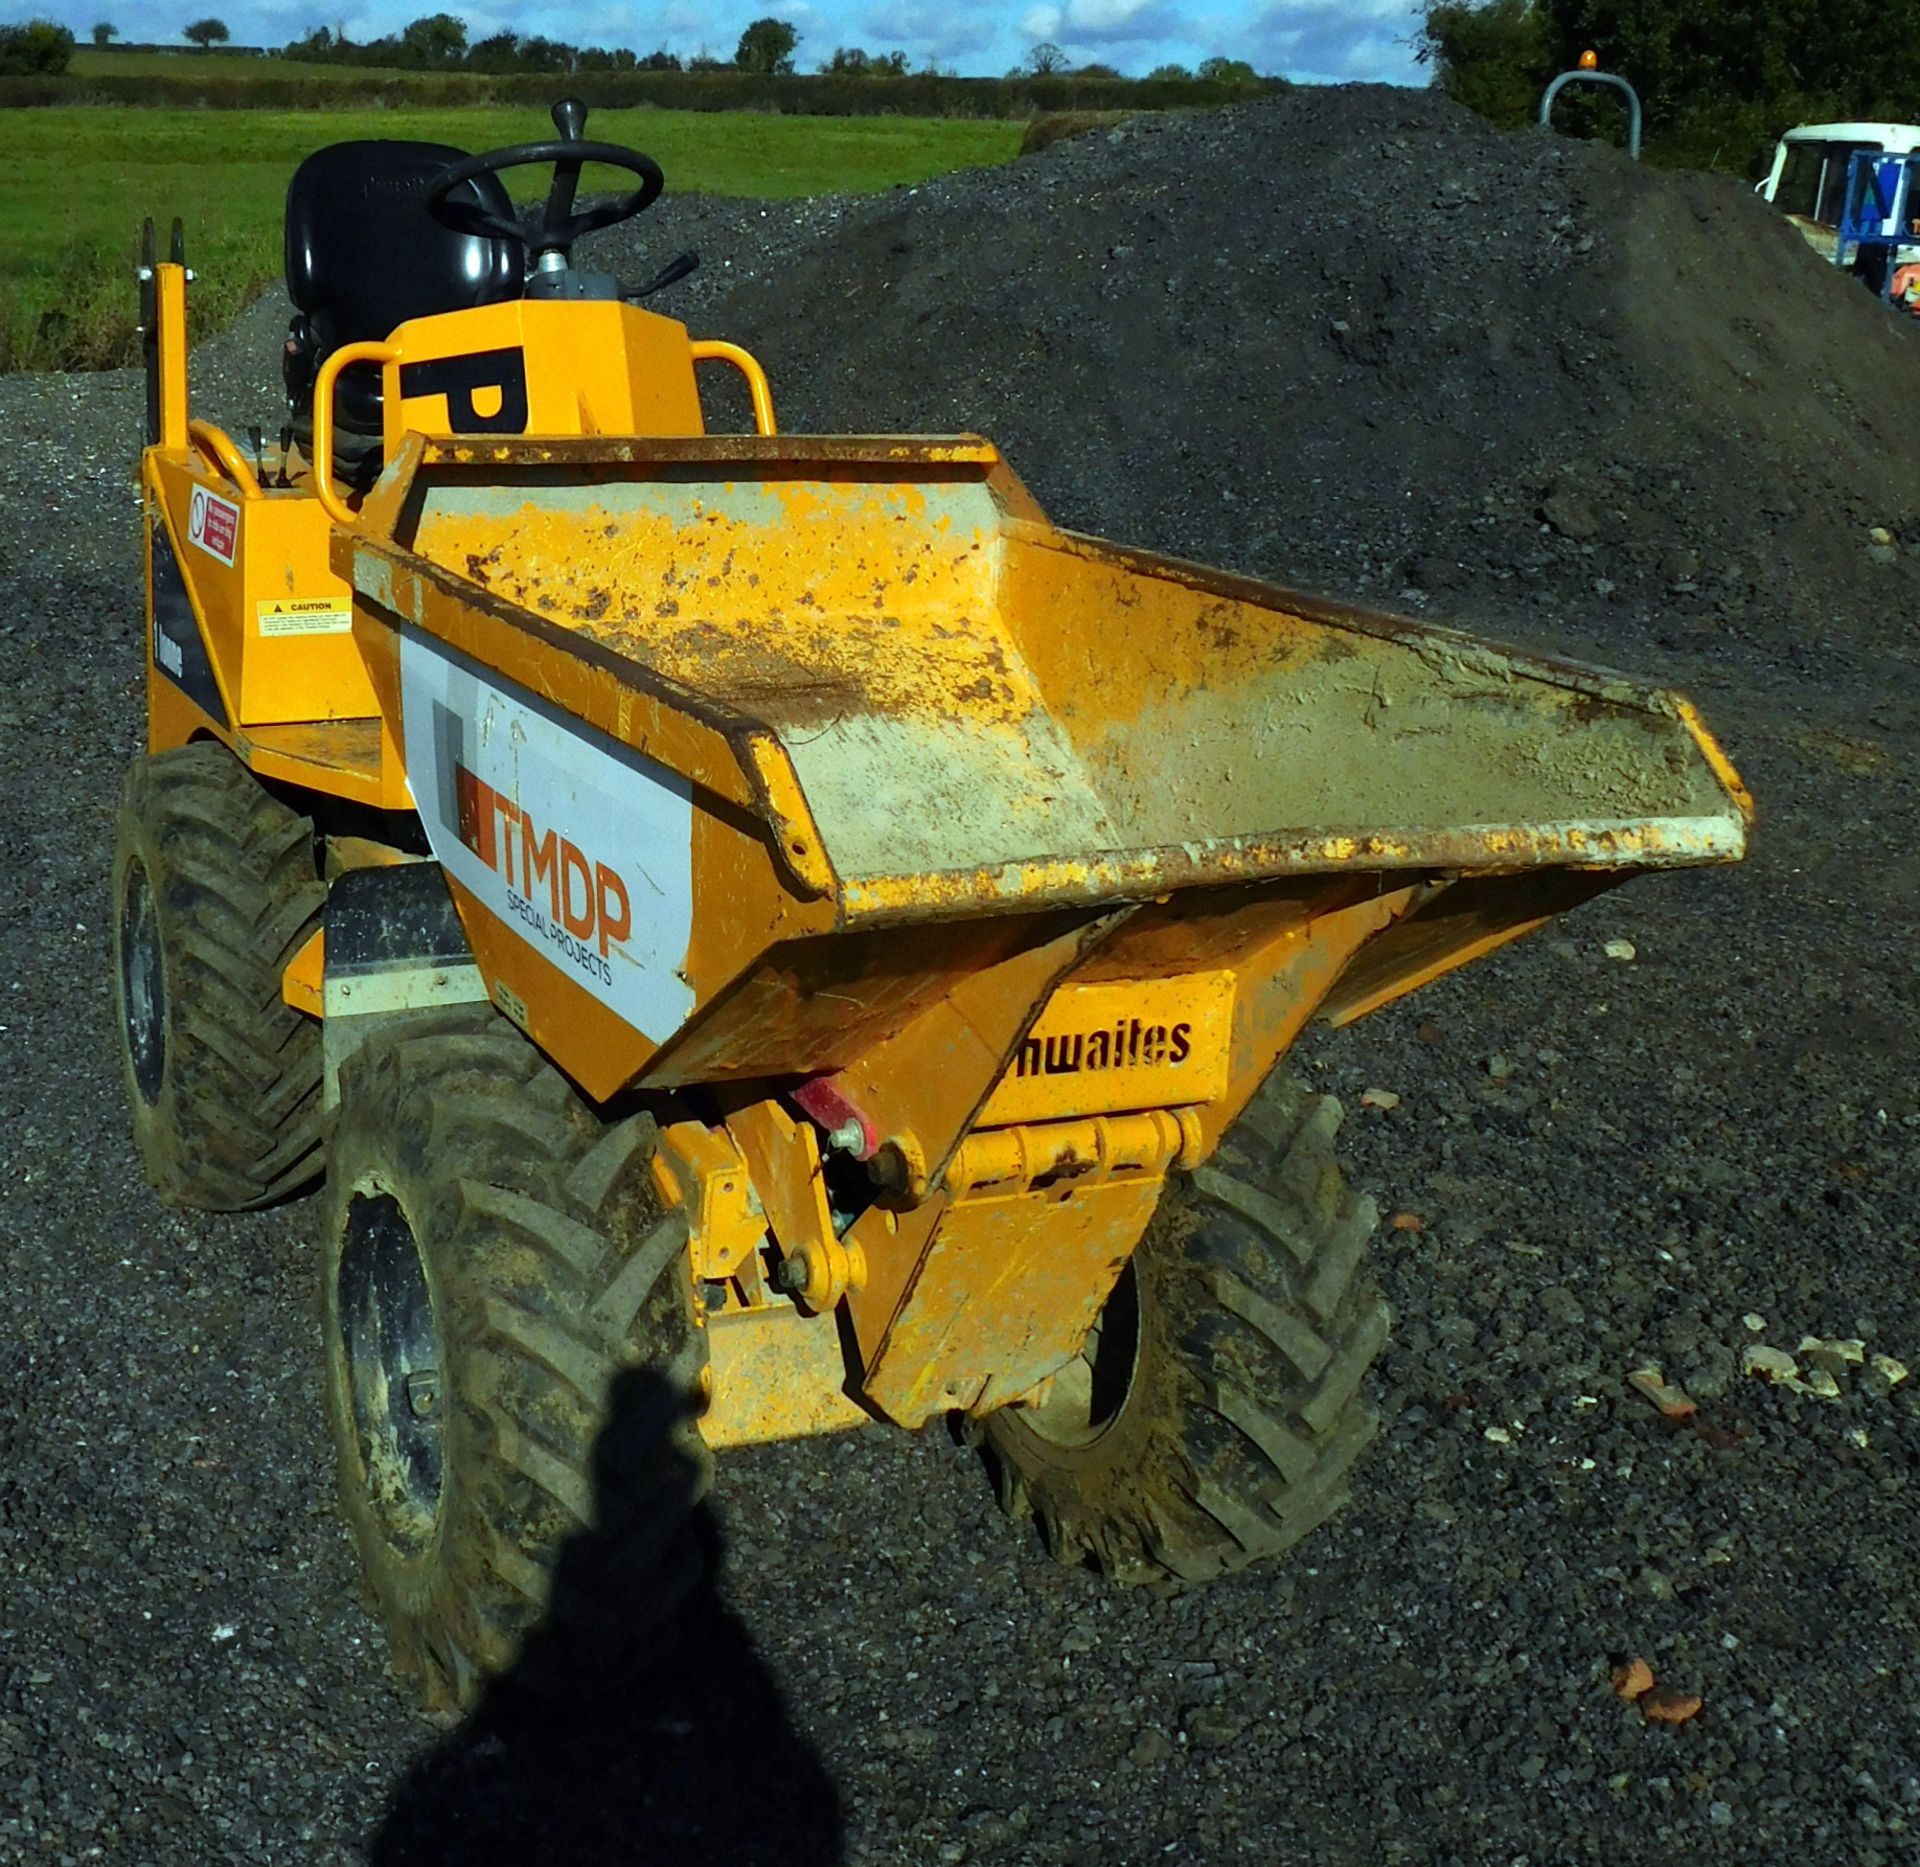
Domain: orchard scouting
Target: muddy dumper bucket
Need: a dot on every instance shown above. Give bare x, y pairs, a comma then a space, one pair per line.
828, 780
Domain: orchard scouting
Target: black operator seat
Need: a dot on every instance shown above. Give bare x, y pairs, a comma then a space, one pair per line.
364, 256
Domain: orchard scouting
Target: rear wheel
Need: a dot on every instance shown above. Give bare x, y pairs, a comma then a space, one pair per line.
512, 1365
215, 889
1217, 1408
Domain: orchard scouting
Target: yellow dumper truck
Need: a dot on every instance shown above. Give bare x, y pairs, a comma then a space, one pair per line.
762, 934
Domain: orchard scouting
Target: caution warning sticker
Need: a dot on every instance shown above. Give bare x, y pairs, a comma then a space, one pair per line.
304, 615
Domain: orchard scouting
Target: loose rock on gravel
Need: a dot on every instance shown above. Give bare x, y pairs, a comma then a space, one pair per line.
1350, 340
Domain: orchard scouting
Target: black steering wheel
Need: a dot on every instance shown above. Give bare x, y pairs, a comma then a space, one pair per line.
553, 227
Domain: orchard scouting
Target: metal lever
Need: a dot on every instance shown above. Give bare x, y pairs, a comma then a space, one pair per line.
569, 118
676, 269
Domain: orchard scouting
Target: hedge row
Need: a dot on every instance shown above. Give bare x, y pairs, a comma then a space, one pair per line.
824, 95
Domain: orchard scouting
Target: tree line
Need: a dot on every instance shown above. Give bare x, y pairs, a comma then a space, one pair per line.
769, 47
439, 42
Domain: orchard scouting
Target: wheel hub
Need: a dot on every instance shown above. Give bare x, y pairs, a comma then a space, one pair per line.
143, 984
390, 1342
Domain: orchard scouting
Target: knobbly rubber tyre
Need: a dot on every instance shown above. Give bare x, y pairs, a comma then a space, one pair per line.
1214, 1421
215, 889
537, 1516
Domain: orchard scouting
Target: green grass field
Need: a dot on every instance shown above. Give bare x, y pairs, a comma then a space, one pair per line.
77, 181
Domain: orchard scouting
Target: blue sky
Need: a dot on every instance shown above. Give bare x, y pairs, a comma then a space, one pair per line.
1311, 40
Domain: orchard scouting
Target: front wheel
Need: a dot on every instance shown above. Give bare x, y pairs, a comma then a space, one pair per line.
512, 1366
1217, 1408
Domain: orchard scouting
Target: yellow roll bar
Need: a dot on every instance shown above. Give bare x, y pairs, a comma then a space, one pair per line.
709, 350
218, 446
713, 350
331, 503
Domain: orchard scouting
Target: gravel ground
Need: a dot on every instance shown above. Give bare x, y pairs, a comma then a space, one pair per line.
1672, 1158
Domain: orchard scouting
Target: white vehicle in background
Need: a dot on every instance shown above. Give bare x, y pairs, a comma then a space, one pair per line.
1808, 183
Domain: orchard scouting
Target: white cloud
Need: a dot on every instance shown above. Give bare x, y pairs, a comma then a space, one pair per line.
935, 29
1108, 15
1333, 41
1104, 22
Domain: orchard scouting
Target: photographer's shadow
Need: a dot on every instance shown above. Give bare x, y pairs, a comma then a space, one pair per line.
689, 1756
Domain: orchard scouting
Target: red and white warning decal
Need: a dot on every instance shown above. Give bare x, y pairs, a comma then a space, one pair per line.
213, 524
579, 845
